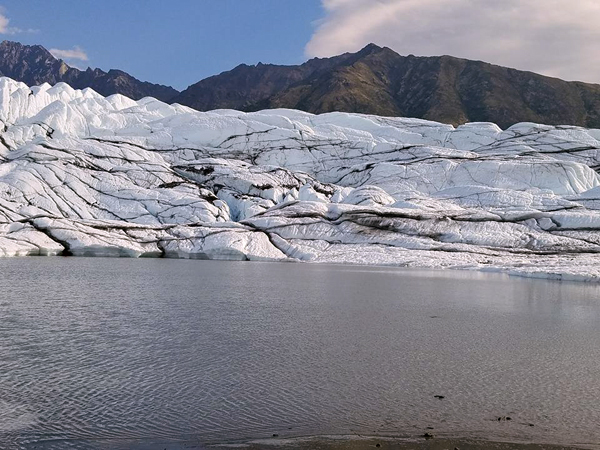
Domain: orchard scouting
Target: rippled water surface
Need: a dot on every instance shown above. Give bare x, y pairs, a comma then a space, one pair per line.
107, 353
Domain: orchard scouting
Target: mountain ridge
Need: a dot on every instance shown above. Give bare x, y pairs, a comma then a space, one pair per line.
375, 80
34, 65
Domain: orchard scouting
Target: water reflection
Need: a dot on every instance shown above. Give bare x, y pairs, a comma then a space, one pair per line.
111, 350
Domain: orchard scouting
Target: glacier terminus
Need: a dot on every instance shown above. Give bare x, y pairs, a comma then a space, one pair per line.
85, 175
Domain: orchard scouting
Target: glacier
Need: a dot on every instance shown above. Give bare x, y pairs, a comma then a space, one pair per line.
85, 175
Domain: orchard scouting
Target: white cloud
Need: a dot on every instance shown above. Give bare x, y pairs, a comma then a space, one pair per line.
76, 53
4, 24
555, 37
6, 29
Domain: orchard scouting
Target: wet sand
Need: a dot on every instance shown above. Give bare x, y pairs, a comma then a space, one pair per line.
356, 443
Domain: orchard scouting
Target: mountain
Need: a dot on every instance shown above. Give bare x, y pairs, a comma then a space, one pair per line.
34, 65
375, 80
244, 87
379, 81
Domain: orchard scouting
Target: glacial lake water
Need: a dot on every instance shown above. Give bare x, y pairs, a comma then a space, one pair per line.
112, 353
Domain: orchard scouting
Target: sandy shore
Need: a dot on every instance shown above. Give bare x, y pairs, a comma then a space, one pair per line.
353, 443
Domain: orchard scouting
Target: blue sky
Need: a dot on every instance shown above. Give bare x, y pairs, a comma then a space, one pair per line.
179, 42
174, 42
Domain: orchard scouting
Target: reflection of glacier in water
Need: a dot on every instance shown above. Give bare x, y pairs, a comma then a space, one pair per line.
88, 175
107, 351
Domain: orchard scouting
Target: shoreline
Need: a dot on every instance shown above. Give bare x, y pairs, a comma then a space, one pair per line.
561, 277
354, 442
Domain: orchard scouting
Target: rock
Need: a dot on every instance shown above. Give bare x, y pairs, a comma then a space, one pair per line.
439, 397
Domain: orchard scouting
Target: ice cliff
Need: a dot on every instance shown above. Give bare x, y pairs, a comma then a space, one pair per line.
81, 174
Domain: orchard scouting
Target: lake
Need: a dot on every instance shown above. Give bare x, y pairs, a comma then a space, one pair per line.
102, 353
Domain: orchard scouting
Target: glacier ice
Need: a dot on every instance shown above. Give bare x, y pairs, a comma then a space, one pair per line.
81, 174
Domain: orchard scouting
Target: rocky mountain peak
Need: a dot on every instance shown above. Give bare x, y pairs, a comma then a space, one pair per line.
34, 65
374, 80
377, 80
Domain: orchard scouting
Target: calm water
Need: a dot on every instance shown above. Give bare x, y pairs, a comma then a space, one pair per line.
102, 353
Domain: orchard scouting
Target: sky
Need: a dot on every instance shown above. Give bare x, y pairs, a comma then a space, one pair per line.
179, 42
172, 42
